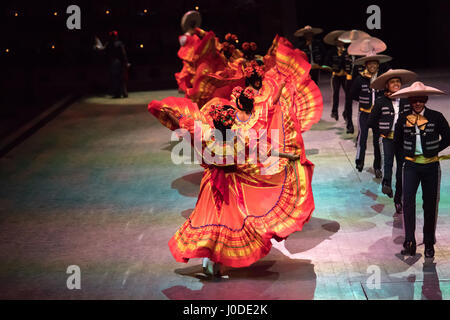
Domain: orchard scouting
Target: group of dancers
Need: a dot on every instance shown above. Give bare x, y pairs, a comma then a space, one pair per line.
231, 93
392, 114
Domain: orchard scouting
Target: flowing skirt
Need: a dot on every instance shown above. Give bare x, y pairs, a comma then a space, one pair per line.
239, 211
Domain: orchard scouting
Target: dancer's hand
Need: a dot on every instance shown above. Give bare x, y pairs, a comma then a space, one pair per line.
167, 115
290, 156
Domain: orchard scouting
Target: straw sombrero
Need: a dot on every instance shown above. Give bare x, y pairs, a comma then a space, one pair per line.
301, 32
353, 35
191, 19
405, 76
365, 46
332, 37
417, 89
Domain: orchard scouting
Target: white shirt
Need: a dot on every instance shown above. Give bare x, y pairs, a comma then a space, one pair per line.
374, 77
418, 138
396, 104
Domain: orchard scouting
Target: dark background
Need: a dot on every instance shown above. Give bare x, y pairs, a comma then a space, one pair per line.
33, 75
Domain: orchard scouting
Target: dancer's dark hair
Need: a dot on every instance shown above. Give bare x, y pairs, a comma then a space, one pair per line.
245, 104
252, 81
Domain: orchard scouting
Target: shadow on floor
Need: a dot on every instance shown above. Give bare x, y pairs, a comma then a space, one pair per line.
264, 280
314, 232
323, 125
188, 185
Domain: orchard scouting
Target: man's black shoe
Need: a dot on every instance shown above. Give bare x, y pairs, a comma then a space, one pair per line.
429, 251
350, 128
387, 190
359, 167
398, 208
409, 249
378, 174
335, 115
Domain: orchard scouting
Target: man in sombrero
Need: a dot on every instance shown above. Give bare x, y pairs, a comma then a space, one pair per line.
341, 64
313, 48
422, 135
348, 38
366, 96
384, 116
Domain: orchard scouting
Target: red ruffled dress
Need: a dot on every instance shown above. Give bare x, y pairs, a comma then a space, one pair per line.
241, 207
186, 54
215, 75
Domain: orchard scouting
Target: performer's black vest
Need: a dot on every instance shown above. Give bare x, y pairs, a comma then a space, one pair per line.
383, 114
362, 92
405, 136
339, 62
317, 51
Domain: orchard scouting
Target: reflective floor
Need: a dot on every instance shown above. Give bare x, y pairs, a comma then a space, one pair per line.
96, 188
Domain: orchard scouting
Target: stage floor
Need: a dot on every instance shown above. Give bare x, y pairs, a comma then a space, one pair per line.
96, 188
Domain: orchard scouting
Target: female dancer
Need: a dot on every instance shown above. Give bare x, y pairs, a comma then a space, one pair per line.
242, 206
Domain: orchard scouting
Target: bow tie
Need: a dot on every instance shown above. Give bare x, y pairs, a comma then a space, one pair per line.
416, 119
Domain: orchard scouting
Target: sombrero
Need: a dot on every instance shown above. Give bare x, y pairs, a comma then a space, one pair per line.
417, 89
365, 46
405, 76
352, 36
332, 37
191, 19
301, 32
381, 58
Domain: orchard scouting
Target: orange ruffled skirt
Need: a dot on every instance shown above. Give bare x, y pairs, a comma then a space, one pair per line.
236, 229
254, 208
259, 209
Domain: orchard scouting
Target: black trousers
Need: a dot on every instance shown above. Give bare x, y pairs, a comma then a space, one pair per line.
118, 81
348, 103
429, 176
315, 75
389, 154
363, 133
336, 83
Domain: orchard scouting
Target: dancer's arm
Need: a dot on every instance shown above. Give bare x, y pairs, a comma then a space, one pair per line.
398, 133
167, 115
278, 95
374, 116
200, 32
355, 89
289, 156
444, 132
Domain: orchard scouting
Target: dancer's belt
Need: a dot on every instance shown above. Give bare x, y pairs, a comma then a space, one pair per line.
390, 135
420, 159
340, 73
366, 110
